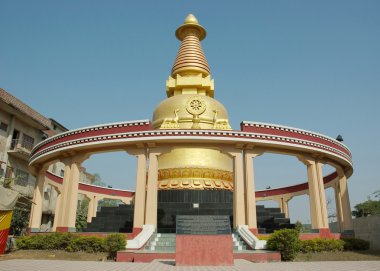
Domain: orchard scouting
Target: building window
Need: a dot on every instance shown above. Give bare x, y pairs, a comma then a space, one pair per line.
27, 142
22, 177
54, 169
3, 126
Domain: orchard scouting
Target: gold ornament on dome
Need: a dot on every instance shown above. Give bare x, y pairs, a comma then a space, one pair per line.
195, 178
196, 106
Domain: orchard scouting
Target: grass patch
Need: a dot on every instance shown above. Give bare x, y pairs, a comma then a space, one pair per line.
54, 255
368, 255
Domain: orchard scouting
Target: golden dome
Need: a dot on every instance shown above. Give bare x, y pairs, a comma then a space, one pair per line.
183, 110
195, 168
190, 105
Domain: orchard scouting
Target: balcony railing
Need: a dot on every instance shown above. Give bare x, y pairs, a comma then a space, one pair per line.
22, 146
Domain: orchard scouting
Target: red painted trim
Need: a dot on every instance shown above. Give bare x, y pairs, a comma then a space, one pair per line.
102, 130
107, 134
3, 240
62, 229
293, 188
105, 190
93, 188
53, 177
277, 132
323, 233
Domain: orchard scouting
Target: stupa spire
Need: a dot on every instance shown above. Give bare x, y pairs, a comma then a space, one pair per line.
190, 57
190, 73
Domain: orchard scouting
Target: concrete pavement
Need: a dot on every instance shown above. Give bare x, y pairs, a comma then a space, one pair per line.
161, 265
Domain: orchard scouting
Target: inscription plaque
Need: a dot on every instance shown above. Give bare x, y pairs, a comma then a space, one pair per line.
203, 224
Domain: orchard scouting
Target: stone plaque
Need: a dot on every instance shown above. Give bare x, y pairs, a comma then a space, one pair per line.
203, 224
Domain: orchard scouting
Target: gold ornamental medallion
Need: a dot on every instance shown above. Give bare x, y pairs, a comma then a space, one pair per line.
196, 106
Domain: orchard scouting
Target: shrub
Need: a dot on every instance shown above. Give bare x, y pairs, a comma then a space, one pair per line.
86, 243
114, 243
73, 243
321, 245
45, 241
287, 242
355, 244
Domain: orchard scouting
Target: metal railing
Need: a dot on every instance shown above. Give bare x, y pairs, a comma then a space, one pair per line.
21, 144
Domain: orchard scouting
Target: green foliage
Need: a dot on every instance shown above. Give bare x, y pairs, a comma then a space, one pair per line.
20, 219
355, 244
369, 207
97, 180
89, 244
287, 242
81, 217
73, 243
109, 202
58, 241
299, 226
321, 245
114, 243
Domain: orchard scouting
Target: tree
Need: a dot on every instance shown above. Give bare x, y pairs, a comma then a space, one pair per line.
367, 208
20, 220
109, 202
98, 180
81, 218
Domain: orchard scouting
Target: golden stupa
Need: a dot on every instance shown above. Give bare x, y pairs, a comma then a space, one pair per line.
191, 105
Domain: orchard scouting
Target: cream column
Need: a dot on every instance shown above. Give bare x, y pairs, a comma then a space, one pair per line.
284, 205
92, 207
140, 194
322, 194
347, 224
315, 209
151, 195
250, 200
69, 204
36, 210
338, 205
57, 208
238, 205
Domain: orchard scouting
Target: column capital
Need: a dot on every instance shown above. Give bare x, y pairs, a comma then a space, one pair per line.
75, 159
57, 189
306, 159
136, 151
253, 152
41, 169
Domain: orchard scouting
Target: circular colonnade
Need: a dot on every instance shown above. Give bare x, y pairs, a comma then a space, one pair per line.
139, 139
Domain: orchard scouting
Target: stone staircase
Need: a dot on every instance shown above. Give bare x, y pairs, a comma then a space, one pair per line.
238, 242
165, 242
161, 242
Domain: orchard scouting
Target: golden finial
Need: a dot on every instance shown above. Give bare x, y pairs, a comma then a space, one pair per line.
191, 23
190, 59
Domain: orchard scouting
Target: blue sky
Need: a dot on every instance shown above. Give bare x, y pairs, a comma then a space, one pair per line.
308, 64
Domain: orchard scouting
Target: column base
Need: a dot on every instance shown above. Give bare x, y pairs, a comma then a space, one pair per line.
348, 234
65, 229
32, 230
325, 233
135, 232
255, 231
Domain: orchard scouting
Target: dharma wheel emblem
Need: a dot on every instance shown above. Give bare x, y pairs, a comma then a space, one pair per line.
196, 106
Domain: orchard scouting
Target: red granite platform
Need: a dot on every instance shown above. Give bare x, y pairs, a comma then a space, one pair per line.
141, 256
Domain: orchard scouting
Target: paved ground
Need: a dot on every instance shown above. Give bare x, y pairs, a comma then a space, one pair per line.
240, 265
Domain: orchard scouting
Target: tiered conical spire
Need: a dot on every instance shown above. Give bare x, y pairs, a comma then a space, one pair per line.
190, 72
190, 57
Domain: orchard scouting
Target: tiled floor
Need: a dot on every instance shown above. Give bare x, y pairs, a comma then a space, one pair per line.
240, 265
